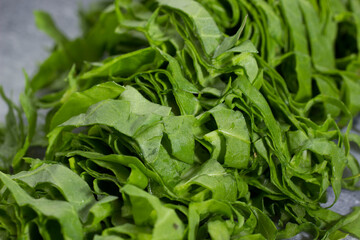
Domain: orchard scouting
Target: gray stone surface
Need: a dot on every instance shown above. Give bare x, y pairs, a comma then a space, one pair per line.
22, 46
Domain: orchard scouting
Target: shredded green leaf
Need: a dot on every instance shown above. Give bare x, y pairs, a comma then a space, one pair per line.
171, 119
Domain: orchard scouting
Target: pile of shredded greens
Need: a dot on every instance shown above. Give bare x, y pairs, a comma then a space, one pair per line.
183, 119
